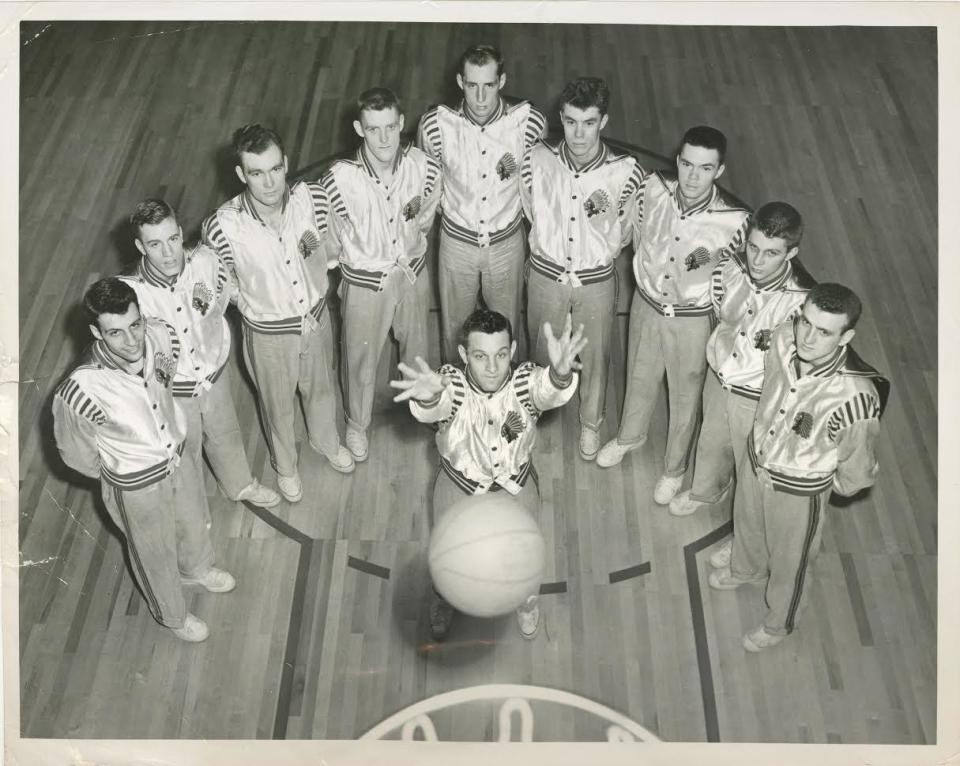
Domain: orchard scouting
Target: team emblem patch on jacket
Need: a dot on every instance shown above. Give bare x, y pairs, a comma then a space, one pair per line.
512, 427
412, 208
164, 367
506, 167
803, 424
761, 340
202, 297
597, 203
309, 244
697, 258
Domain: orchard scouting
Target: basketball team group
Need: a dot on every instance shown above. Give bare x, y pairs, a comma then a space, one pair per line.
763, 386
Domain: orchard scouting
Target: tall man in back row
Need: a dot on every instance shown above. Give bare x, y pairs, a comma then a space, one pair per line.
191, 292
578, 196
684, 225
480, 145
816, 428
271, 238
381, 204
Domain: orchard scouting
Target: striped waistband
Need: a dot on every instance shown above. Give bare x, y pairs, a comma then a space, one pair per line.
793, 485
186, 388
374, 280
672, 310
288, 326
744, 391
576, 277
140, 479
477, 488
475, 238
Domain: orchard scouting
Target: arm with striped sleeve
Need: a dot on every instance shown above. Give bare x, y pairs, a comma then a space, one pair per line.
629, 201
212, 236
717, 289
526, 184
549, 390
429, 138
75, 431
535, 129
736, 241
432, 186
857, 465
330, 245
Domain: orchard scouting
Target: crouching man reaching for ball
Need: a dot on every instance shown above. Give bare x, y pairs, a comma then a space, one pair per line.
487, 415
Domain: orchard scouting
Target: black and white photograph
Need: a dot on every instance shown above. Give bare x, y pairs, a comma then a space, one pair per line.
415, 376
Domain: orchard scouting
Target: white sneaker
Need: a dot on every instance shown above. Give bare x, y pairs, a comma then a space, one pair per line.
214, 580
290, 487
612, 453
720, 558
666, 488
684, 505
529, 618
724, 579
194, 630
589, 442
343, 461
759, 639
358, 444
259, 495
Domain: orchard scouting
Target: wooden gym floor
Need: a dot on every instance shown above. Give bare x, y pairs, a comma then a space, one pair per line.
327, 634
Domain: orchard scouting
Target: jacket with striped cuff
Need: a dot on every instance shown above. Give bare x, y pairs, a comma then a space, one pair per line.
125, 428
374, 227
747, 315
194, 303
488, 438
481, 164
817, 431
676, 250
580, 217
281, 277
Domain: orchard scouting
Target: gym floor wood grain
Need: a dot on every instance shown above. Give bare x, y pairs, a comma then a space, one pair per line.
326, 634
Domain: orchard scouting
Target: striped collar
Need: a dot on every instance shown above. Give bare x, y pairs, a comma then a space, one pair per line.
248, 206
365, 163
500, 111
702, 205
151, 276
829, 366
775, 282
567, 159
476, 386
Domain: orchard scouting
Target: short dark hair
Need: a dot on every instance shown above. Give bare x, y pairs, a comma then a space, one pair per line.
486, 321
836, 299
585, 92
377, 99
108, 296
254, 139
151, 211
480, 55
778, 219
706, 137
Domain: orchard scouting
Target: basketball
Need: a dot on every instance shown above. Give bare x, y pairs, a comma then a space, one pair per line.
487, 555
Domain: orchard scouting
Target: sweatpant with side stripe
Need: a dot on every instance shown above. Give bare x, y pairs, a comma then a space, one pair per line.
212, 421
722, 446
166, 534
656, 345
592, 305
776, 532
279, 366
495, 270
368, 317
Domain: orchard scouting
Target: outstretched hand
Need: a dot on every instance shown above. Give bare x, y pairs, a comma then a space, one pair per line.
563, 350
422, 384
